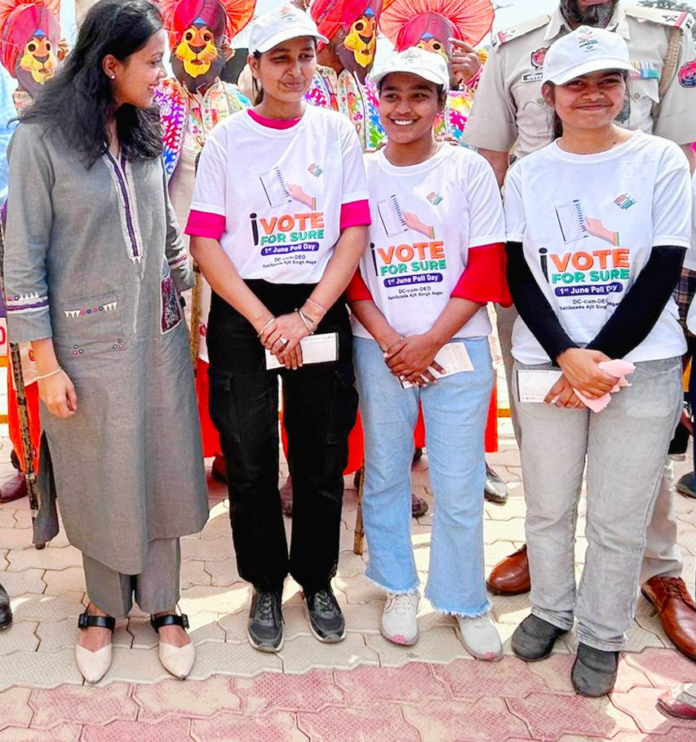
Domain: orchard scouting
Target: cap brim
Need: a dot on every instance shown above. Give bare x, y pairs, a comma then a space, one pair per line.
424, 73
596, 65
285, 35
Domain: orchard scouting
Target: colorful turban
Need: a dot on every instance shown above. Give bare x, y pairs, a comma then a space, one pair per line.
22, 19
406, 22
225, 18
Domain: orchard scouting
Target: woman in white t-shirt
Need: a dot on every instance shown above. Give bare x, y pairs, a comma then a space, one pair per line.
598, 224
436, 257
279, 221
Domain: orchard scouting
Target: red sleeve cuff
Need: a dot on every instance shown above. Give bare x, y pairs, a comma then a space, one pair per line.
357, 289
205, 224
355, 214
484, 279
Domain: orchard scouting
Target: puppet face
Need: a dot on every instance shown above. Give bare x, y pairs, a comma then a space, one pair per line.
356, 40
38, 62
432, 44
361, 39
198, 59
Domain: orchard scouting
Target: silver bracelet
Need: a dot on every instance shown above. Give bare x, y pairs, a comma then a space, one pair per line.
53, 373
305, 321
268, 324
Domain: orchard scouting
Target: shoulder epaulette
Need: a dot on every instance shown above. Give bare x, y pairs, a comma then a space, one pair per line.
674, 18
521, 29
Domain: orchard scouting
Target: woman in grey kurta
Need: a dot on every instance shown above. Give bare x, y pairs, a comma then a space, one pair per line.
94, 263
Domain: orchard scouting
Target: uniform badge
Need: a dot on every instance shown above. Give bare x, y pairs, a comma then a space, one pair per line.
538, 57
533, 77
645, 71
687, 75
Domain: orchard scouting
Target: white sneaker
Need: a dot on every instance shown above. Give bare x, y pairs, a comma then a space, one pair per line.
480, 637
399, 622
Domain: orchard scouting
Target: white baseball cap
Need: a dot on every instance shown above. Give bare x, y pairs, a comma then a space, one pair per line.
584, 51
281, 24
416, 61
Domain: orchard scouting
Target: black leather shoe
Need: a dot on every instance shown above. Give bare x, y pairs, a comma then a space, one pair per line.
325, 617
495, 490
594, 671
265, 627
534, 638
5, 609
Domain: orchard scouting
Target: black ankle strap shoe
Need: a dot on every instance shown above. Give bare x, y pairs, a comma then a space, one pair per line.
85, 620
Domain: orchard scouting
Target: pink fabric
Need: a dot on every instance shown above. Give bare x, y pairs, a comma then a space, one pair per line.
617, 368
274, 123
355, 214
205, 224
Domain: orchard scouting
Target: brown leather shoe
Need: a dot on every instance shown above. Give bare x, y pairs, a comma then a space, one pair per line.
511, 576
676, 609
15, 488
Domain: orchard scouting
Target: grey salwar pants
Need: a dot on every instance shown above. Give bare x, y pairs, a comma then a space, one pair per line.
662, 554
155, 589
624, 449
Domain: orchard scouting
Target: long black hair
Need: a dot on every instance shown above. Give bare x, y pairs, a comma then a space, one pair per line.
78, 102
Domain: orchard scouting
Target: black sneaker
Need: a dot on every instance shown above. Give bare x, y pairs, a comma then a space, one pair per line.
325, 617
534, 638
265, 627
594, 671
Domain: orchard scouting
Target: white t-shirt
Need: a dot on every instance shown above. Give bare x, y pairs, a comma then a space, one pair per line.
425, 219
280, 192
690, 259
588, 224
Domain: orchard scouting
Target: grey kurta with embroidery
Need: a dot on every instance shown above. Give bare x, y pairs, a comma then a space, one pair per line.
94, 259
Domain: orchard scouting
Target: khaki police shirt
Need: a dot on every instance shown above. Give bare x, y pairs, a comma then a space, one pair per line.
509, 112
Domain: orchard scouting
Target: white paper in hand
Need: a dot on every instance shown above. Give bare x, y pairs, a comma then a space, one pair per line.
453, 358
315, 349
534, 384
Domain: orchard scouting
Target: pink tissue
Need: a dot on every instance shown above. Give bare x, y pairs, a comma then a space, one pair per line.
617, 368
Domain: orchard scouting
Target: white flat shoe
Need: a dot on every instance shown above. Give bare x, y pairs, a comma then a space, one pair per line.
176, 660
93, 665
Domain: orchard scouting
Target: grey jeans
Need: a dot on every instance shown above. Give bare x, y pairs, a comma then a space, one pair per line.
662, 553
155, 589
623, 450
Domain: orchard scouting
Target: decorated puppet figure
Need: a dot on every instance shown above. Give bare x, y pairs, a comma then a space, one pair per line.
431, 25
30, 44
344, 63
30, 50
190, 104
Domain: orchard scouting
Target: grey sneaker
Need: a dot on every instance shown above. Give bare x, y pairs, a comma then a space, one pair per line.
687, 485
325, 617
265, 627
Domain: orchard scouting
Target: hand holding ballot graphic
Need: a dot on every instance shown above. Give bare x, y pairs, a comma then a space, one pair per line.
396, 221
278, 191
298, 194
597, 229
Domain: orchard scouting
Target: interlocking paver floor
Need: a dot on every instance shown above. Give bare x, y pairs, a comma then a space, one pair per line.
363, 690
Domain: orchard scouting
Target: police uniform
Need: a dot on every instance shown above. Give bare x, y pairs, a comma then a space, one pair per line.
509, 113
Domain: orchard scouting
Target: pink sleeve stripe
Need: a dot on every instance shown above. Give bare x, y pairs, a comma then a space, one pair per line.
355, 214
204, 224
